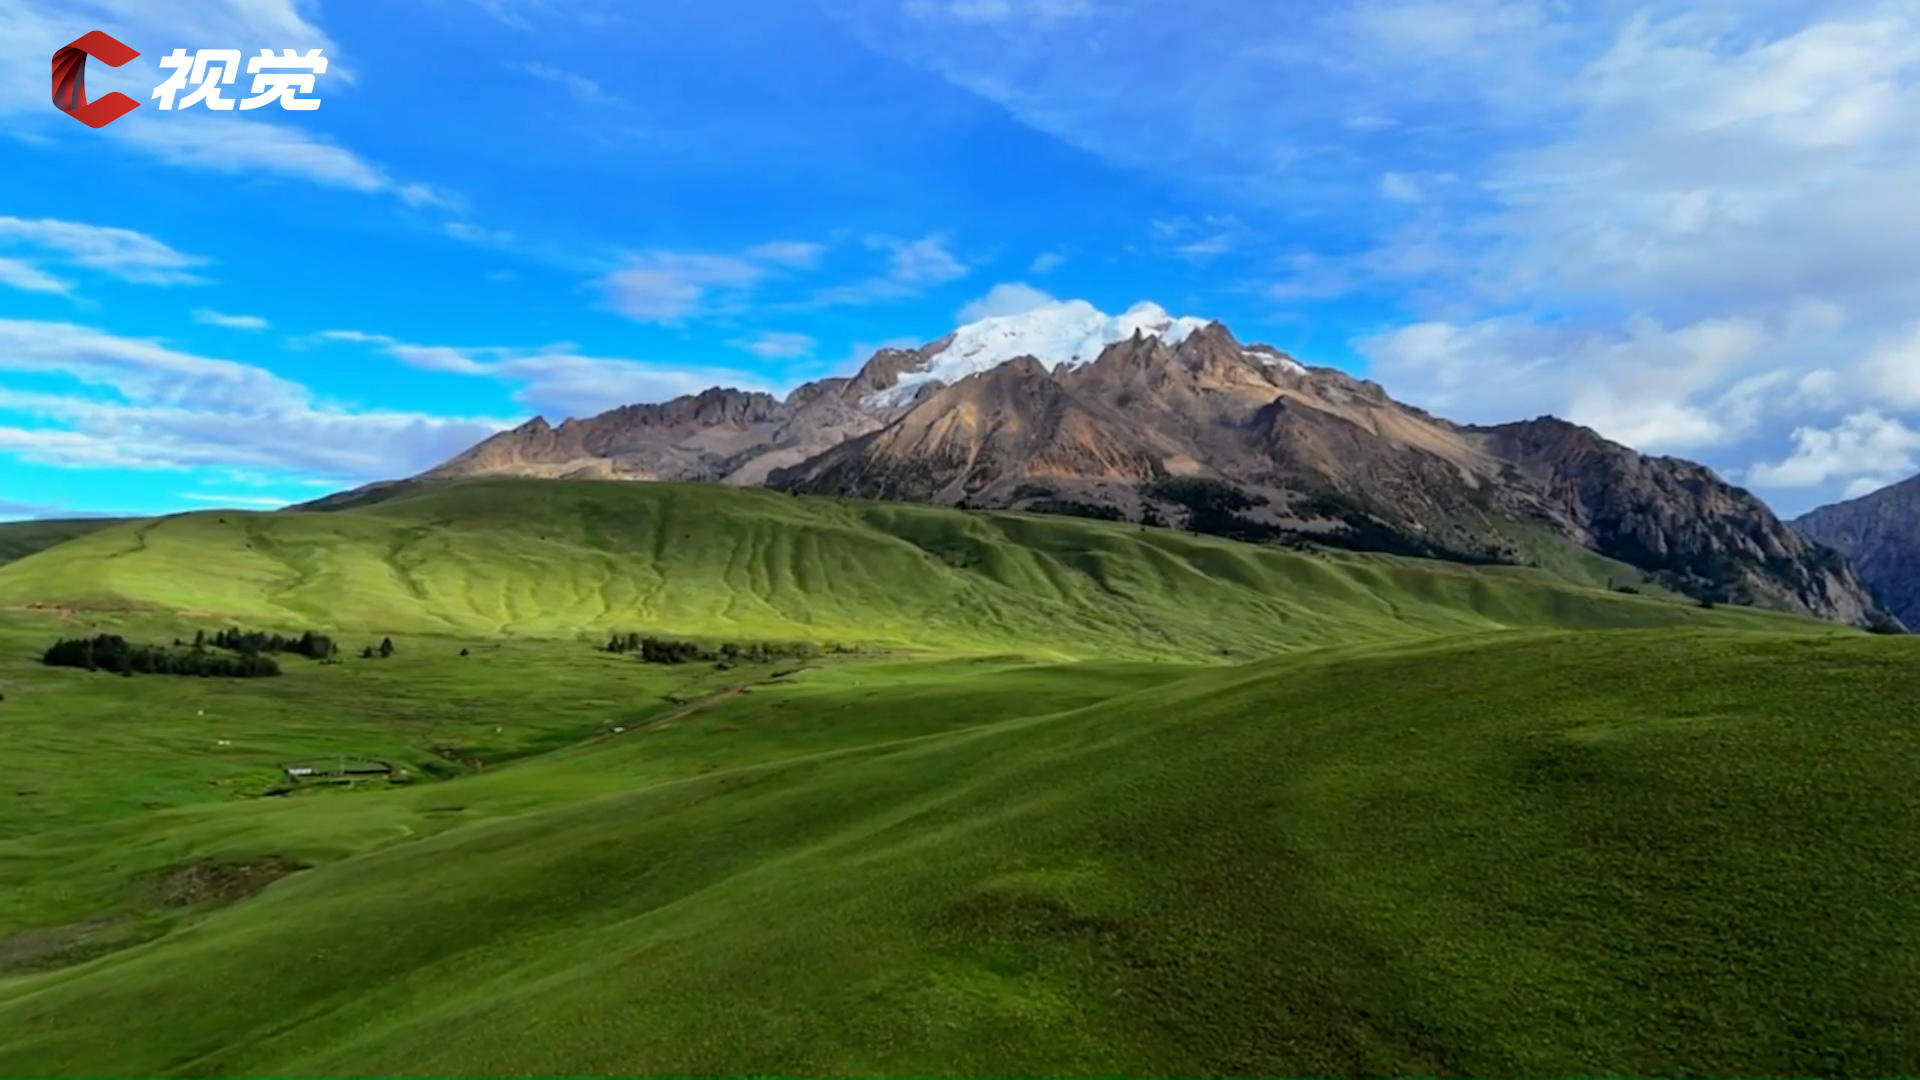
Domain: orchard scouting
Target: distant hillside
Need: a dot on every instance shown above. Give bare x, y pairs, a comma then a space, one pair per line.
1880, 533
568, 558
19, 539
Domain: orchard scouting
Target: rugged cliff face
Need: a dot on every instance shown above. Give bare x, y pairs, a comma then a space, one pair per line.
1880, 534
1148, 418
1678, 520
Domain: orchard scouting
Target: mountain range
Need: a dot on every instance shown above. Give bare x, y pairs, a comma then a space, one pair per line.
1173, 421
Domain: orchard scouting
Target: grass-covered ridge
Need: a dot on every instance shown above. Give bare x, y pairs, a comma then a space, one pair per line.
547, 558
19, 539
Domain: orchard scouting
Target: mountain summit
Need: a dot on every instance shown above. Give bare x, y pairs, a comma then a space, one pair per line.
1162, 420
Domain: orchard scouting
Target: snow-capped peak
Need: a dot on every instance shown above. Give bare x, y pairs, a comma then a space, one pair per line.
1070, 332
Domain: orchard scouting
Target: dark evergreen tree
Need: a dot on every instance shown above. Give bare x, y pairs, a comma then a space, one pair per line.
113, 653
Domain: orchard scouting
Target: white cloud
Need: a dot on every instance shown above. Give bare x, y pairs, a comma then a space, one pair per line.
665, 286
209, 317
1399, 187
1816, 315
13, 510
1046, 262
1892, 370
136, 403
222, 144
1000, 11
911, 268
557, 378
1307, 276
252, 502
668, 286
794, 253
477, 234
1207, 247
1866, 446
513, 13
23, 275
1007, 298
121, 253
1649, 387
134, 368
582, 89
925, 261
1199, 241
1821, 388
776, 345
1716, 165
1450, 33
1867, 485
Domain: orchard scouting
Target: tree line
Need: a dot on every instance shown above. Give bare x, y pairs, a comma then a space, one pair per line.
658, 650
113, 653
308, 644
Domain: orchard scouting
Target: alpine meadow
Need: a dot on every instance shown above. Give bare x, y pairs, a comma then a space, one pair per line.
959, 538
998, 793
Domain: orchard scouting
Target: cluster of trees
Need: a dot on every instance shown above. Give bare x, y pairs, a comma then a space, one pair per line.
111, 652
1213, 507
308, 644
1077, 508
658, 650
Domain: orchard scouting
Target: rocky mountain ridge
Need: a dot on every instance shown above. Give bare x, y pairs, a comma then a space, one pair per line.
1145, 417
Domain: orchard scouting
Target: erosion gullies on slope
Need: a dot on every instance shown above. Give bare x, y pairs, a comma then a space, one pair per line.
1152, 418
570, 558
1532, 856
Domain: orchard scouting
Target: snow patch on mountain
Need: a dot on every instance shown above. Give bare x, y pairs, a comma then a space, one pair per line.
1276, 360
1070, 332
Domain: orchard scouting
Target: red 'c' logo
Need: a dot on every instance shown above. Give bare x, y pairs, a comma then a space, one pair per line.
70, 79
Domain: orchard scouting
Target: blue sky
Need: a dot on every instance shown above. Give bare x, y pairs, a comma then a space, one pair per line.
1688, 225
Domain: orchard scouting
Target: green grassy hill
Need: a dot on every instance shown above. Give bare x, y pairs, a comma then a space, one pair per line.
1615, 852
1110, 800
542, 558
19, 539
